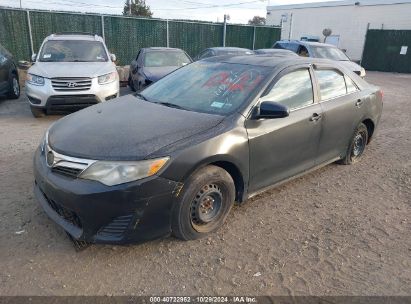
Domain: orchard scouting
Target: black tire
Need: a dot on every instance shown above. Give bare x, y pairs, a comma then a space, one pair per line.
14, 92
131, 84
357, 145
38, 112
203, 204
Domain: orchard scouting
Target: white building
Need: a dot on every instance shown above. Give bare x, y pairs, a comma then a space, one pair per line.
348, 20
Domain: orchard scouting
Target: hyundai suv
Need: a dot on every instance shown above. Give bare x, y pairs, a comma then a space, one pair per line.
70, 72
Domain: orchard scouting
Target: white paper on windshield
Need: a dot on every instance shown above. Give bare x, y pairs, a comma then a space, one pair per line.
46, 56
216, 104
404, 50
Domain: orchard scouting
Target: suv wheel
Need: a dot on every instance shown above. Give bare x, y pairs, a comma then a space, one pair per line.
37, 112
14, 87
205, 201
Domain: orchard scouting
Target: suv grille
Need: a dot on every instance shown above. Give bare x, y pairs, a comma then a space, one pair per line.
71, 84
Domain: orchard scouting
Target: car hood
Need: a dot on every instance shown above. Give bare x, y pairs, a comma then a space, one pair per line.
157, 73
126, 128
352, 66
71, 69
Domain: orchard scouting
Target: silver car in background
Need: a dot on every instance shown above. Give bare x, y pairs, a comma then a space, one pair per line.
70, 72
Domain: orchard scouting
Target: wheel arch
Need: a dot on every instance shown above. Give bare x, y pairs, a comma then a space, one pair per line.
370, 128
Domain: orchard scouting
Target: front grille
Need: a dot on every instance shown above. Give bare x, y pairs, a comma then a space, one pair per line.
116, 228
67, 171
66, 214
69, 103
71, 84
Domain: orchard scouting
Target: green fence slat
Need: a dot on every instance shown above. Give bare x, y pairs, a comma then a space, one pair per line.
239, 36
382, 51
194, 37
14, 33
125, 36
265, 37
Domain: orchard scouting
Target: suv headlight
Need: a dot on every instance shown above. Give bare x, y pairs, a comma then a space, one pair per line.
362, 73
107, 78
34, 79
113, 173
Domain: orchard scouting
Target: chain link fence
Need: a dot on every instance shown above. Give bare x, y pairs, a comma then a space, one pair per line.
22, 32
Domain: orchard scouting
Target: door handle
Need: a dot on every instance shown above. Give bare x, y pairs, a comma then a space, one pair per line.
315, 117
359, 103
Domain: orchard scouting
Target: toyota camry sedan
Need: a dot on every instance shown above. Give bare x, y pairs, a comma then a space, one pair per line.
174, 158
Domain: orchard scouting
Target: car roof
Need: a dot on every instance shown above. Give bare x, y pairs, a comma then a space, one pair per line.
224, 48
271, 61
75, 36
161, 49
309, 43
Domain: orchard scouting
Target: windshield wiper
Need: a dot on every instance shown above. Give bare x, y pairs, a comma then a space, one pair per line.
141, 96
172, 105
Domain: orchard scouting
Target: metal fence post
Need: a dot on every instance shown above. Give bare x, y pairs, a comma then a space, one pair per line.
224, 29
168, 35
102, 28
30, 33
254, 38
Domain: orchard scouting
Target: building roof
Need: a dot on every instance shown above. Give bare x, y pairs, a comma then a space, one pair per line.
337, 3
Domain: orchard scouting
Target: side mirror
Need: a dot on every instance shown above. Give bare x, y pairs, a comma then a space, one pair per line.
33, 57
271, 109
113, 57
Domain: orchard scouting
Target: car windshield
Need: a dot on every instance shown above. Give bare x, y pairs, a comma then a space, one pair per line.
208, 87
165, 58
73, 51
329, 53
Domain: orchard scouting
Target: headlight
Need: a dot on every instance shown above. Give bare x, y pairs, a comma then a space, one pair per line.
107, 78
34, 79
362, 73
113, 173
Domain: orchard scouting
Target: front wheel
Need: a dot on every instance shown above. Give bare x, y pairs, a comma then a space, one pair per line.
357, 145
204, 203
14, 92
131, 84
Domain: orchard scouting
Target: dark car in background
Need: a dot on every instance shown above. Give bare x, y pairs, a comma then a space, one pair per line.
9, 77
223, 51
275, 52
320, 50
175, 157
152, 64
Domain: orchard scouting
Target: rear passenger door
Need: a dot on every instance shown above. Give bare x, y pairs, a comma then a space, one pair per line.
342, 105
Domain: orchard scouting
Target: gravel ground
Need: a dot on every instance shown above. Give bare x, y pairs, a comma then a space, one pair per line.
342, 230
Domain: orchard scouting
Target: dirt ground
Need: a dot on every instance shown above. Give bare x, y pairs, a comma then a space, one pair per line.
342, 230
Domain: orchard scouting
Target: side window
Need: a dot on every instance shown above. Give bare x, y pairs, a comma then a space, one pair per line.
332, 83
351, 86
293, 90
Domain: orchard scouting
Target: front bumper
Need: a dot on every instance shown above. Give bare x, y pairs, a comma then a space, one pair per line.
90, 211
47, 97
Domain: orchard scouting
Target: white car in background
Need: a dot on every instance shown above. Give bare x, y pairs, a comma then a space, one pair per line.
70, 72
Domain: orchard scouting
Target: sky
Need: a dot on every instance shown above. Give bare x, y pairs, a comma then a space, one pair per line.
240, 11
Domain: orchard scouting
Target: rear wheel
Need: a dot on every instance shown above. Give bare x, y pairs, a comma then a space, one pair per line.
206, 199
37, 112
14, 92
357, 145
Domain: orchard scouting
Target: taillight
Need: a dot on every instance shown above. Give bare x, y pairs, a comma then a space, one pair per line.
382, 93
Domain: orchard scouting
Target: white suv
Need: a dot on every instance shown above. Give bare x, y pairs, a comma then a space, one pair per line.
70, 72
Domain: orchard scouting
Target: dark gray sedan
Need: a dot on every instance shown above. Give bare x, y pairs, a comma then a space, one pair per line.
174, 158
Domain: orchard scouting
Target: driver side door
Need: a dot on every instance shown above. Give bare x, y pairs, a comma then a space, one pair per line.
283, 147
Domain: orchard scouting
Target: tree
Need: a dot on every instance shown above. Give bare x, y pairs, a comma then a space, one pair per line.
138, 8
257, 20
